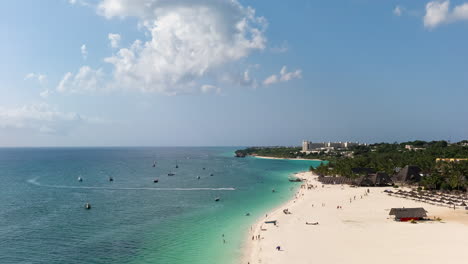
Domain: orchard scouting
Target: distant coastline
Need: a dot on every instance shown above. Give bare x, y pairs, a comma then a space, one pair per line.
266, 157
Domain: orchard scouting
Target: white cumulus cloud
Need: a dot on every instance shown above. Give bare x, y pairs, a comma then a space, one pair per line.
114, 40
41, 78
283, 76
189, 42
271, 80
84, 51
438, 13
85, 80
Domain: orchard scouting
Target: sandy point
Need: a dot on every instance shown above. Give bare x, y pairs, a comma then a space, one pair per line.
361, 231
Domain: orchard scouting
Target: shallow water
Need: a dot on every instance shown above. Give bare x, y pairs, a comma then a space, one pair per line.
133, 220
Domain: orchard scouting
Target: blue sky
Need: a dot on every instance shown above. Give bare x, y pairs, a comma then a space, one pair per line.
221, 72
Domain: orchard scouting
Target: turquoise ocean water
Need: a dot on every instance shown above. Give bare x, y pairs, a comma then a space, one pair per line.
133, 220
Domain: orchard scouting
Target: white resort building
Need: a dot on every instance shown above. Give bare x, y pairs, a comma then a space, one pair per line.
311, 147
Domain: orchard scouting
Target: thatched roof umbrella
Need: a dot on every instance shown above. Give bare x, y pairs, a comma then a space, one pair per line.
400, 193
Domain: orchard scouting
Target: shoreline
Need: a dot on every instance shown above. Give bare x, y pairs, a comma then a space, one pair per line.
256, 227
276, 158
363, 218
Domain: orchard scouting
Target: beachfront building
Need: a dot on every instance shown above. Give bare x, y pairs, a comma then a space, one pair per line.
312, 147
408, 214
450, 159
411, 147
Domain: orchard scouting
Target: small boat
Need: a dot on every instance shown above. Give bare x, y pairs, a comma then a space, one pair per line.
247, 214
170, 174
154, 164
80, 179
198, 177
217, 199
156, 180
211, 174
273, 190
271, 222
176, 165
111, 179
295, 180
87, 206
204, 168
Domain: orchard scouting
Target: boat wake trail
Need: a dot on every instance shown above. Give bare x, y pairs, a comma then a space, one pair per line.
35, 182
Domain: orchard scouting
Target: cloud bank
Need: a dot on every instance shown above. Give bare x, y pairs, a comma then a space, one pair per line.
41, 118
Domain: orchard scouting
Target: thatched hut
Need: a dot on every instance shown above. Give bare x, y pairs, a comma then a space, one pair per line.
408, 214
376, 179
409, 173
382, 179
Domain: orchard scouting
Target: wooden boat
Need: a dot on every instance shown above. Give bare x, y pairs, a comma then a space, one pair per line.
80, 179
111, 179
271, 222
156, 180
170, 174
217, 199
295, 180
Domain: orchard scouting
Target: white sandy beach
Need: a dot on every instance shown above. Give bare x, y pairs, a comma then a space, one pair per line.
361, 232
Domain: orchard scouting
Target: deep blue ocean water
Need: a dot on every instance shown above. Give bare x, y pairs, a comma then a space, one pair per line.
133, 220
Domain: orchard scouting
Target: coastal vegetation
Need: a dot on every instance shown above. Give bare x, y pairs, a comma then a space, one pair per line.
442, 164
276, 152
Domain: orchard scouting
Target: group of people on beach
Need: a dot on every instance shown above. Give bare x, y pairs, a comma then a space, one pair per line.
256, 237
